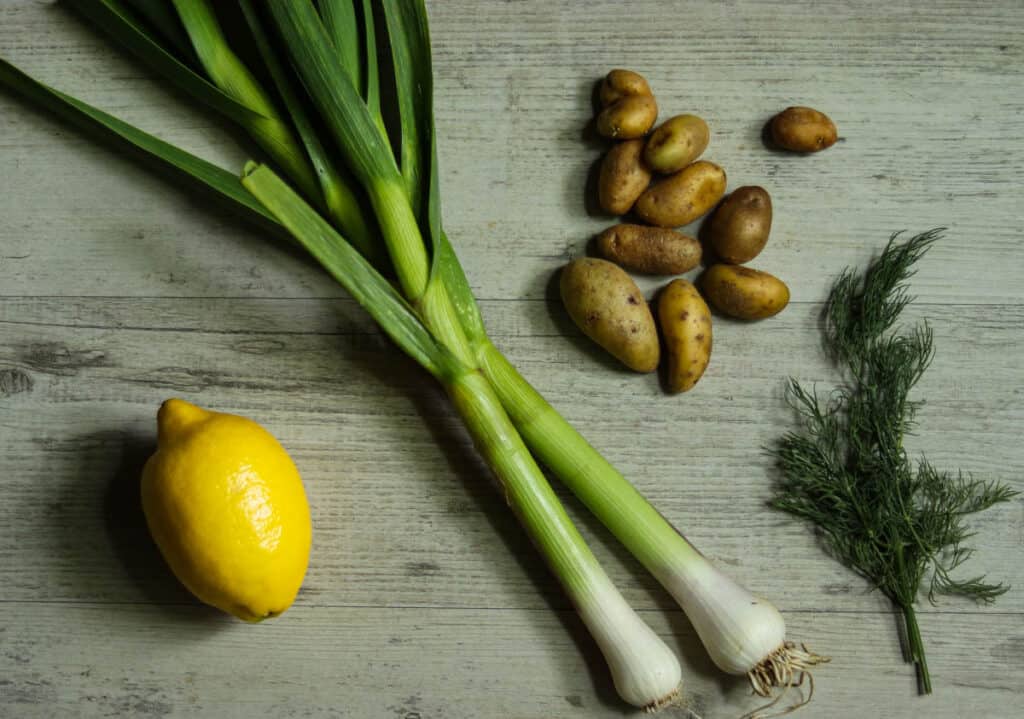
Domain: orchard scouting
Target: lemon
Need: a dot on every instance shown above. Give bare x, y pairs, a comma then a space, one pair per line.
226, 506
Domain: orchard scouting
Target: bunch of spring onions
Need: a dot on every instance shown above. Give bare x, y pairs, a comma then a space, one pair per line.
354, 180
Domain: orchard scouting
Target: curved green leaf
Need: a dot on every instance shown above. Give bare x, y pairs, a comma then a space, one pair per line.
340, 193
367, 286
409, 36
112, 18
200, 173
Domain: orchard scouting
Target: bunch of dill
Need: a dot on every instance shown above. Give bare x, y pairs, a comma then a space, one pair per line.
893, 520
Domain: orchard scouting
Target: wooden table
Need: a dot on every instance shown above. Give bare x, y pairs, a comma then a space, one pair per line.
424, 599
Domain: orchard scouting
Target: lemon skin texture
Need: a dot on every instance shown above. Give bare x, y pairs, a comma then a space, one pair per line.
226, 506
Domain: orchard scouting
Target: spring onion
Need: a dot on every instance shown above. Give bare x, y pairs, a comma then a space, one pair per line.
369, 206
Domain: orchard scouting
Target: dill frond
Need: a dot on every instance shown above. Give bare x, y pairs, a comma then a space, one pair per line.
895, 521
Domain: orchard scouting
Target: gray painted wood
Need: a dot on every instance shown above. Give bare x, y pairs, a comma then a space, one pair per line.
118, 291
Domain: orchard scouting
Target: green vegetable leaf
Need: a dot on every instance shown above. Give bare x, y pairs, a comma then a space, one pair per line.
161, 16
340, 192
112, 18
339, 18
341, 106
371, 90
410, 56
409, 36
367, 286
448, 270
197, 172
270, 130
365, 145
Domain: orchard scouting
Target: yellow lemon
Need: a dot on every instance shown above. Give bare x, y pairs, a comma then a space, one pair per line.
225, 504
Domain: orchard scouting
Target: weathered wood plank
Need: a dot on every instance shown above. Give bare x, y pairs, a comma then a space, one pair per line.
374, 438
147, 661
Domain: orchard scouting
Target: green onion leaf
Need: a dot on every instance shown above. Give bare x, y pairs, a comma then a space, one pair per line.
410, 42
357, 133
198, 172
162, 17
340, 193
371, 92
367, 286
340, 104
448, 270
111, 17
410, 49
230, 74
340, 20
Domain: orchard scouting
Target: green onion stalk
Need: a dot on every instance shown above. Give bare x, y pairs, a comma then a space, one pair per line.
363, 198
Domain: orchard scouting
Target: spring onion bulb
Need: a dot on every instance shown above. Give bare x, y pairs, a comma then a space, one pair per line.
644, 670
743, 634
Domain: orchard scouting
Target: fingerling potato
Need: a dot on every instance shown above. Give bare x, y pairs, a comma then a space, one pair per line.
686, 327
676, 143
623, 177
619, 83
608, 307
649, 250
744, 293
627, 118
738, 230
683, 197
803, 129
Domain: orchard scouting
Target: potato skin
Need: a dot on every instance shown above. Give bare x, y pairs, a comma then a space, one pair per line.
628, 117
803, 129
738, 230
683, 197
676, 143
744, 293
649, 250
608, 307
623, 177
686, 327
618, 83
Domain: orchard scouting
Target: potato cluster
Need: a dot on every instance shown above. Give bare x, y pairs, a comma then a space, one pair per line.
657, 176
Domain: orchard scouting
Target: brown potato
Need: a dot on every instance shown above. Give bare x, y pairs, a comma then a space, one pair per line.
683, 197
649, 250
607, 305
744, 293
629, 117
686, 326
623, 177
738, 230
803, 129
619, 83
676, 143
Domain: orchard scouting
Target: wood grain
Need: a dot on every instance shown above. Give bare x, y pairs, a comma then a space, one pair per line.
424, 598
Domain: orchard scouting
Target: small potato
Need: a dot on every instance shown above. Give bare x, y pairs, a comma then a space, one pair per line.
619, 83
683, 197
738, 230
686, 326
628, 117
649, 250
803, 129
607, 305
676, 143
744, 293
623, 177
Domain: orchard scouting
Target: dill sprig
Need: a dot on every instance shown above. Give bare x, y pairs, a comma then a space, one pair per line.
893, 520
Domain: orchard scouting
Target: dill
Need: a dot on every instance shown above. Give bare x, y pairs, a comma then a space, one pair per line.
896, 521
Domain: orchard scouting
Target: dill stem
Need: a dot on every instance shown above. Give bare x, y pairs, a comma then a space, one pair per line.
916, 647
